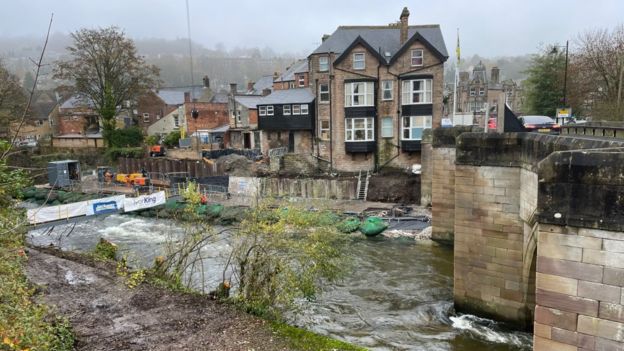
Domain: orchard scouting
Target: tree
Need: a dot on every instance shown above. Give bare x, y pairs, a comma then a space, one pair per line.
12, 100
105, 70
544, 84
600, 64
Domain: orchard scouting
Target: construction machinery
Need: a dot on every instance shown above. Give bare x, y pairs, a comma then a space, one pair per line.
157, 151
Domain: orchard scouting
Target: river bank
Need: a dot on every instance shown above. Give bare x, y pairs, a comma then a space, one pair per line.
108, 315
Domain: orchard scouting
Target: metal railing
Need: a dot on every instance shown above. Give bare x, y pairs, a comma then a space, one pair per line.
610, 130
278, 151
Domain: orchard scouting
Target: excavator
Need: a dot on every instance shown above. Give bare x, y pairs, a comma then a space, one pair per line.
157, 151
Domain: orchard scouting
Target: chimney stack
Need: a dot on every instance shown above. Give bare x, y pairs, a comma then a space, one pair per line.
187, 96
250, 85
325, 36
404, 25
266, 91
233, 90
495, 76
206, 82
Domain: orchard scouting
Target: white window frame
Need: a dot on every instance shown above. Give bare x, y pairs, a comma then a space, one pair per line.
176, 121
291, 85
426, 92
304, 109
323, 129
387, 131
286, 110
262, 110
270, 111
146, 117
350, 129
238, 116
301, 80
473, 92
366, 94
425, 123
323, 92
481, 91
323, 64
387, 89
417, 54
359, 58
296, 110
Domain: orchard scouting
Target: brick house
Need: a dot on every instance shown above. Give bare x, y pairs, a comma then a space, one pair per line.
152, 106
212, 121
243, 113
296, 76
377, 88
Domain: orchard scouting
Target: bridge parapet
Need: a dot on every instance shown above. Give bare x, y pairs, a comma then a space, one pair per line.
537, 225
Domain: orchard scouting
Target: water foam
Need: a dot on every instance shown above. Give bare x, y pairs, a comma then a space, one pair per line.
489, 330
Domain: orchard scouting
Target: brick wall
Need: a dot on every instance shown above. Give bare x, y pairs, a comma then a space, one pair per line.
211, 115
443, 194
580, 274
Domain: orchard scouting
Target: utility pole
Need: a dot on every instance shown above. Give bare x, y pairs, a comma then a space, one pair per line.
565, 77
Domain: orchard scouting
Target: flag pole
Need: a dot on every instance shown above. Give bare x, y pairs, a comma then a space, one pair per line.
456, 77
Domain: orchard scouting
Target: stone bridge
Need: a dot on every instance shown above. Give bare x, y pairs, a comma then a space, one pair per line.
536, 222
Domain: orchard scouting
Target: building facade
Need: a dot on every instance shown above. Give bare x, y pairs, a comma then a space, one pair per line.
377, 88
243, 112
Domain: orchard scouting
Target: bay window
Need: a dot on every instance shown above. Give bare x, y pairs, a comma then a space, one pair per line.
359, 94
359, 129
416, 91
413, 127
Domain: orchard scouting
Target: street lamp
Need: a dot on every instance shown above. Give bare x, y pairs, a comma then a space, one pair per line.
565, 74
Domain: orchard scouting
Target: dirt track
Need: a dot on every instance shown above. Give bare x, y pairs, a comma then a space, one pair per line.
106, 315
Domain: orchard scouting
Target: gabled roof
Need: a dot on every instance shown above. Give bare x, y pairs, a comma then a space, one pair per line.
249, 101
359, 41
300, 66
288, 96
175, 96
265, 82
75, 101
383, 39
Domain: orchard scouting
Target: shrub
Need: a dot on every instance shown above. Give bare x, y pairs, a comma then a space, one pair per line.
172, 139
152, 140
105, 249
128, 137
130, 152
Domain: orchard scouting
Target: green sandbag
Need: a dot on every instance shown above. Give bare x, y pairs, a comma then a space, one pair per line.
201, 210
173, 204
373, 226
41, 194
62, 195
329, 218
55, 203
29, 192
349, 225
233, 214
214, 210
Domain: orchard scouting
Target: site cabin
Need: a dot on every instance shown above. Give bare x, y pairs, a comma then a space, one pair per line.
62, 174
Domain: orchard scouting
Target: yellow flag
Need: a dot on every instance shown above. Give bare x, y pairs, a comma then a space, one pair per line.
457, 51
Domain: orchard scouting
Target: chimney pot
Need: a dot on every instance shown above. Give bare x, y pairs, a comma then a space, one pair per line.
404, 19
206, 82
233, 88
187, 96
250, 85
325, 37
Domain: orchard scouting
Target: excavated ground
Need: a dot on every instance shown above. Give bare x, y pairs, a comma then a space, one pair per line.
107, 315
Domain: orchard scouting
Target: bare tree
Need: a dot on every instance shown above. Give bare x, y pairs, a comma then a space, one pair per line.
106, 71
600, 64
12, 100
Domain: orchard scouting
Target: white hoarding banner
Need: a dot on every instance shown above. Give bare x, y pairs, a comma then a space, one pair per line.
55, 213
144, 201
105, 205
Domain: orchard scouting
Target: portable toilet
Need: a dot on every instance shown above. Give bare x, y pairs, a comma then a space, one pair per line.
64, 173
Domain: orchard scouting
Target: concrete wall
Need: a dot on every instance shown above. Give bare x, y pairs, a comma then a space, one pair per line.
426, 171
72, 143
443, 194
342, 189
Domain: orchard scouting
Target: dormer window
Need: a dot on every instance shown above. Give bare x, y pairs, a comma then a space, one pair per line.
358, 61
417, 57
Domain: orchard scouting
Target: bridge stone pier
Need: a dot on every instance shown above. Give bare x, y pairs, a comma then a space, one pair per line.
537, 226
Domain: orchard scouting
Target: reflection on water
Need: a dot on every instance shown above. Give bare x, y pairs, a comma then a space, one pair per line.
398, 296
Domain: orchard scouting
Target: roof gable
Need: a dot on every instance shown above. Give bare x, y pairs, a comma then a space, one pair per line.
359, 41
418, 37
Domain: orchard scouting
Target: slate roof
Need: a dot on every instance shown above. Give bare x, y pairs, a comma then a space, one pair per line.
386, 38
265, 82
288, 96
219, 98
249, 101
175, 96
76, 102
300, 66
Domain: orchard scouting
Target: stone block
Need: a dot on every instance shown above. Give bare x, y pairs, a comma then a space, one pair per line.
611, 311
600, 292
601, 327
570, 240
564, 336
613, 245
542, 344
556, 284
586, 341
607, 345
560, 252
605, 258
571, 269
613, 276
555, 317
542, 330
566, 303
597, 233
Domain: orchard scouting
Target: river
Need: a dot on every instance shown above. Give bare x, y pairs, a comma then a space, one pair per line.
398, 296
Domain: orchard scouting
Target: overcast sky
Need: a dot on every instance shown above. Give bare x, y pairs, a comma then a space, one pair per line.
487, 27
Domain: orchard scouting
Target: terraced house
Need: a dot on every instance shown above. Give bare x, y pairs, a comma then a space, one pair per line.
377, 88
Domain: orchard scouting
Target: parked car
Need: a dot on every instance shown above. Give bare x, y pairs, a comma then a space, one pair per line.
27, 143
540, 124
